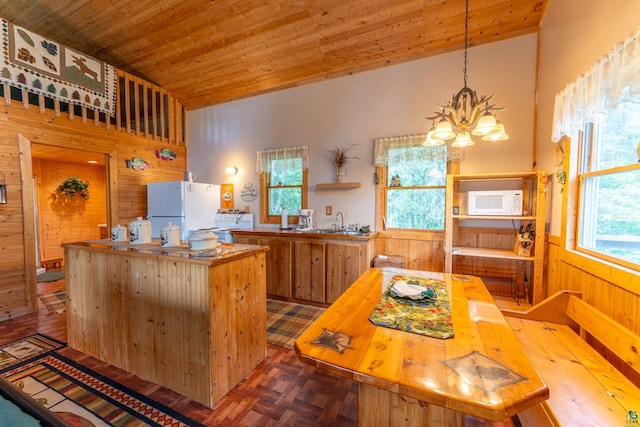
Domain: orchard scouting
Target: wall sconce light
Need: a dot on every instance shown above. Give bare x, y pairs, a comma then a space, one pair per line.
3, 190
231, 170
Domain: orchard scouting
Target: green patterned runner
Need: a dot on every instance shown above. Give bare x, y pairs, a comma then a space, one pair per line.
413, 303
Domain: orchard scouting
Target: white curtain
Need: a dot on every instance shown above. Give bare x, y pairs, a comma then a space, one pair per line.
612, 77
264, 158
384, 146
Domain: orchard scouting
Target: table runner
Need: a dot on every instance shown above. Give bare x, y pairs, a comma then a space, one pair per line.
429, 315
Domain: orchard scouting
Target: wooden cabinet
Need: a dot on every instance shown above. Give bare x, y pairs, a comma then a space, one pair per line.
278, 261
310, 269
484, 245
345, 263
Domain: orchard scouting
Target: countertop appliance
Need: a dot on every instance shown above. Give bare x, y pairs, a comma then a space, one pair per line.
305, 219
226, 222
189, 205
495, 202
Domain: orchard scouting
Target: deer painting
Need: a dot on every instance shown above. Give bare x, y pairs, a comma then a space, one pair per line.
84, 69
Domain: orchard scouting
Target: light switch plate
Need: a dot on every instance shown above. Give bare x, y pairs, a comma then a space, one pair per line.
328, 210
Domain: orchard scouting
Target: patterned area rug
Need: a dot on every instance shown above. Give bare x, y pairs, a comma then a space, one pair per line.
83, 397
27, 348
55, 302
287, 320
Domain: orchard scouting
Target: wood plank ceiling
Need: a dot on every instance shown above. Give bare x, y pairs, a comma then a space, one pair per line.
207, 52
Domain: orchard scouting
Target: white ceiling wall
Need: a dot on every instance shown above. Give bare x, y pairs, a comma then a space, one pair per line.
574, 35
358, 108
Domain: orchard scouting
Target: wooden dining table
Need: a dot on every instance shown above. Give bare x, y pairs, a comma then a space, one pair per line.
414, 380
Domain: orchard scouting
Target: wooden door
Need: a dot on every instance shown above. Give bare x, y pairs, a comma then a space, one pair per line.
278, 267
344, 266
308, 271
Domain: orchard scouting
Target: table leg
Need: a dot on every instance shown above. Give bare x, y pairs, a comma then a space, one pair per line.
382, 408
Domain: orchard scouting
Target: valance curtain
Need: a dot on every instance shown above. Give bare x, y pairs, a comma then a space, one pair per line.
265, 158
614, 77
395, 149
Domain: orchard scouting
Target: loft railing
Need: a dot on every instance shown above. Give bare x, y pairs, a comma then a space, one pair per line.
142, 108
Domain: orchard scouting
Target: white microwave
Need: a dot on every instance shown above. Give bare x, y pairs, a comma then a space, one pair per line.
495, 202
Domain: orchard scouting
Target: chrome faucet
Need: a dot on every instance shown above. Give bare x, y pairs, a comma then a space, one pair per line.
341, 220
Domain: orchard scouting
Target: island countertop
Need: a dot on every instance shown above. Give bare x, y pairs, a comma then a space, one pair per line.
192, 321
224, 253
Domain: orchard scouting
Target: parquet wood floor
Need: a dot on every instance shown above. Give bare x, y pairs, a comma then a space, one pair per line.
281, 391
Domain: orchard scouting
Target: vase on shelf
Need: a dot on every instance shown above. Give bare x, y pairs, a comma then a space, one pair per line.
338, 175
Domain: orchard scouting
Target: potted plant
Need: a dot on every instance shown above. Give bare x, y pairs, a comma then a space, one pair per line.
340, 159
74, 185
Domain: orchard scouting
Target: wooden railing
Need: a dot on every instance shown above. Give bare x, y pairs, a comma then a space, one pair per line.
142, 108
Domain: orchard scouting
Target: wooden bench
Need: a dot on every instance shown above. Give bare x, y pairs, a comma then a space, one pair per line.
584, 388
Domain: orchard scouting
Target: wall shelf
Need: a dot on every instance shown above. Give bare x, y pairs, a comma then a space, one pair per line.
338, 186
488, 250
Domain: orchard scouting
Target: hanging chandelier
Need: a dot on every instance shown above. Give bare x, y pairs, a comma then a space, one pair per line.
456, 118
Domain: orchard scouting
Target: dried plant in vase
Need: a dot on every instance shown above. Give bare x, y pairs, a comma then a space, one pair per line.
340, 158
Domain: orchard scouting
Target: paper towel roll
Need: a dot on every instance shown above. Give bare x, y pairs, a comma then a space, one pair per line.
284, 222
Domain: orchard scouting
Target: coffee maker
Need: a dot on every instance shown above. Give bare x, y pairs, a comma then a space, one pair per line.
305, 219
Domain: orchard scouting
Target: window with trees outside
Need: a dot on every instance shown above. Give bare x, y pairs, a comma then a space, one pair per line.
415, 178
283, 182
609, 186
600, 114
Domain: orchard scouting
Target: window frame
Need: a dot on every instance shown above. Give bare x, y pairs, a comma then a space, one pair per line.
265, 217
452, 167
583, 165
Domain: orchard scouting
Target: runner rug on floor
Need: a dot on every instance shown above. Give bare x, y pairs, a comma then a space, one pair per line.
83, 397
287, 320
56, 302
27, 348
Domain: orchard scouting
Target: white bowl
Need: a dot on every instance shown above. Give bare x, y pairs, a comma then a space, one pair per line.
202, 240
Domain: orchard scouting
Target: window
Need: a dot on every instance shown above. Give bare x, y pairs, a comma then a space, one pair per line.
283, 182
414, 182
609, 185
600, 112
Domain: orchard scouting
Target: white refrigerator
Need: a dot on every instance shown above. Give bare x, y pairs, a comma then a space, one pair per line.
189, 205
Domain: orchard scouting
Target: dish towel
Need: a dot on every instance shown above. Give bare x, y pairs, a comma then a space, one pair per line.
413, 303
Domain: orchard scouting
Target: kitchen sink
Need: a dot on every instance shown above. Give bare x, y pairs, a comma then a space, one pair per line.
339, 232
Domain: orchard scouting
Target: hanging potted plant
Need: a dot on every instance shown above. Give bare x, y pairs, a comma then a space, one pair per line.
73, 186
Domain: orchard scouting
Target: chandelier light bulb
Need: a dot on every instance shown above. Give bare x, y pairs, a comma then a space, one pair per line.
444, 130
463, 139
499, 135
486, 124
432, 140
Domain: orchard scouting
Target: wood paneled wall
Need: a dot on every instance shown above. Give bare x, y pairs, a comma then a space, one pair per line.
22, 123
62, 219
421, 251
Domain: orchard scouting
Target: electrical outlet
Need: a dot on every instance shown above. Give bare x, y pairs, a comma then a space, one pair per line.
327, 210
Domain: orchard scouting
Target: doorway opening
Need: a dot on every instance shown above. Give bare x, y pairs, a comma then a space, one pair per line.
63, 218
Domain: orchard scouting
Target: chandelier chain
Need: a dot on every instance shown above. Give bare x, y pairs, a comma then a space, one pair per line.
466, 40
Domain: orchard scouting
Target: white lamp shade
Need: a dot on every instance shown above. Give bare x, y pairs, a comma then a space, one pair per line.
432, 140
486, 124
444, 130
463, 139
499, 135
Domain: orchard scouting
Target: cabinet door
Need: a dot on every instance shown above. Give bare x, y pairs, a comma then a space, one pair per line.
278, 267
308, 271
344, 266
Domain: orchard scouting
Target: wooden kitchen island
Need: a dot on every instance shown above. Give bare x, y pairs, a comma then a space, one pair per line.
406, 379
187, 321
